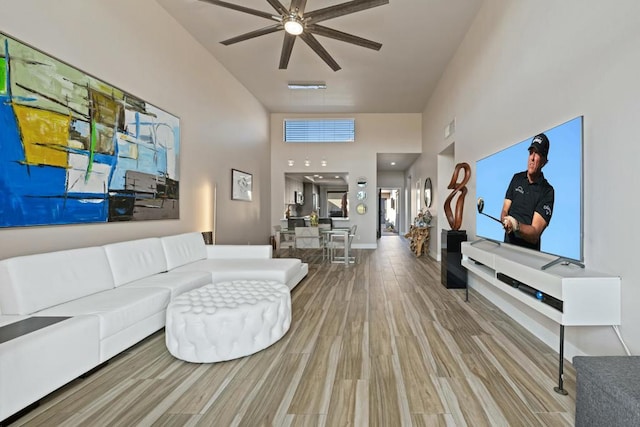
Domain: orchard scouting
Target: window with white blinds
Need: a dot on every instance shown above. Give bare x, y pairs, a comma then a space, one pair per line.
319, 130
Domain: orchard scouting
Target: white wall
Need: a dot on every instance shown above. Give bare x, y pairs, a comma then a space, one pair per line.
526, 66
139, 48
391, 179
375, 133
426, 167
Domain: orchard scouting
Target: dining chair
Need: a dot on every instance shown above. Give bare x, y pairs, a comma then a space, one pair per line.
283, 240
342, 242
324, 238
307, 238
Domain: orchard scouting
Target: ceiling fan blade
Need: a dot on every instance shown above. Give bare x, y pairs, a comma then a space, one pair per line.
298, 6
317, 48
342, 36
287, 47
341, 9
278, 7
261, 32
243, 9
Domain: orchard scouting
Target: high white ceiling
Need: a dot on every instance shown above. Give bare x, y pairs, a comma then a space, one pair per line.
419, 37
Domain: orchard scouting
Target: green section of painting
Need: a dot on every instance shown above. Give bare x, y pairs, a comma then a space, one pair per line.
3, 76
58, 86
3, 67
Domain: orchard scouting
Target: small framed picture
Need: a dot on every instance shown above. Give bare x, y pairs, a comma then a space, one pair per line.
241, 185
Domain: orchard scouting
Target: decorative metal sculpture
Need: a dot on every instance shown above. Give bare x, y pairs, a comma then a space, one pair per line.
458, 187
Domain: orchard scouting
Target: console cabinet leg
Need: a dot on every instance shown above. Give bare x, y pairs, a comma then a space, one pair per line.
560, 389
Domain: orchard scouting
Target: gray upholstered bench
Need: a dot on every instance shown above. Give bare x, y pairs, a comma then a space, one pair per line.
607, 391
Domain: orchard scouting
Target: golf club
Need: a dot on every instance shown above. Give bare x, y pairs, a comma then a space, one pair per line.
481, 208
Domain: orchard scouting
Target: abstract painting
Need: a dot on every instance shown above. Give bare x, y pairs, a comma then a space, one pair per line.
74, 149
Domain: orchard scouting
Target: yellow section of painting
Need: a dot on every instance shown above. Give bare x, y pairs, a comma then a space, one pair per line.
128, 148
45, 136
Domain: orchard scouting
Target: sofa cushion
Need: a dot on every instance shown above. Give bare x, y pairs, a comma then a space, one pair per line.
117, 308
278, 269
176, 282
135, 259
238, 251
182, 249
32, 282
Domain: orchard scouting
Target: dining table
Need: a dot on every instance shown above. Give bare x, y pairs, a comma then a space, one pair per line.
326, 233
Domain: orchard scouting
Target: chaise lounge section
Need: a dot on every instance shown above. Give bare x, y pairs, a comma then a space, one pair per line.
185, 253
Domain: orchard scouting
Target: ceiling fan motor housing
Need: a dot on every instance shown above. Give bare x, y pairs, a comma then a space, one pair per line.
296, 23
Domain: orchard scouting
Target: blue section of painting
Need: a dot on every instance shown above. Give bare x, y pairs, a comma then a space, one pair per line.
33, 194
150, 158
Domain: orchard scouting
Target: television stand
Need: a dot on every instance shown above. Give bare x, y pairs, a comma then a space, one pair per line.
563, 261
570, 295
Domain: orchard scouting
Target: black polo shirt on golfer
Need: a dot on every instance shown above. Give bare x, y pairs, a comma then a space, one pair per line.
527, 198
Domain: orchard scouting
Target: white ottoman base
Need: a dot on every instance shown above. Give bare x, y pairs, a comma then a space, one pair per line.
227, 320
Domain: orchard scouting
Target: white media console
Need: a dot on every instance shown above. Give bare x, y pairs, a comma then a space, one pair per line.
564, 292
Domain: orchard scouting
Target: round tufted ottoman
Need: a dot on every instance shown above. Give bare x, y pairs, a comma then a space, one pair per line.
227, 320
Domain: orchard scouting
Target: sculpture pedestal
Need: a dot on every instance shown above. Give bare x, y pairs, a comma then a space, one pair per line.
452, 274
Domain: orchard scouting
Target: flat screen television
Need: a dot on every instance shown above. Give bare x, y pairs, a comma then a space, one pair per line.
563, 236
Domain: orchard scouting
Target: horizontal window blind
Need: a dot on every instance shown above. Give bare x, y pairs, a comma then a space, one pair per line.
319, 130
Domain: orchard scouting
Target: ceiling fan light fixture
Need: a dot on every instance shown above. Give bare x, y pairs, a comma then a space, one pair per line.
293, 26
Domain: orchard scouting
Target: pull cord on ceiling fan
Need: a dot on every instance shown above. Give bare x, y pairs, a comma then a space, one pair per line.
296, 23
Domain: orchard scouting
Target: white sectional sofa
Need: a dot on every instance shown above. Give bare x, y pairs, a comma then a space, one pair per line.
113, 296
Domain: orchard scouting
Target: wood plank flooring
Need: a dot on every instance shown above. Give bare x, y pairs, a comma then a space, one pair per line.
379, 343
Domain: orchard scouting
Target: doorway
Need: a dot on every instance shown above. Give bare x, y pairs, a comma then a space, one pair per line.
388, 211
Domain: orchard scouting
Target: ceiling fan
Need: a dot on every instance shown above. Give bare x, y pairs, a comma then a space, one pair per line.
296, 23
